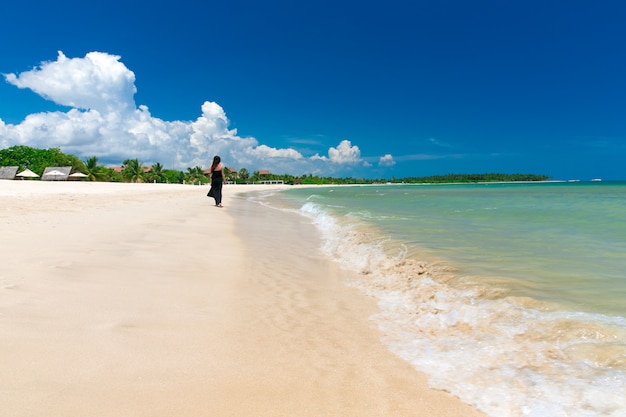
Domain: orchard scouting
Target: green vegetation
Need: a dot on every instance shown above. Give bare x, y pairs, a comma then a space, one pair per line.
437, 179
132, 170
38, 159
96, 172
461, 178
196, 174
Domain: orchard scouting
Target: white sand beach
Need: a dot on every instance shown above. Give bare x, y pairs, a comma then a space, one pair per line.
147, 300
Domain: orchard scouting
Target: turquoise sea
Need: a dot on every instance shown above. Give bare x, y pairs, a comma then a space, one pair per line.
510, 296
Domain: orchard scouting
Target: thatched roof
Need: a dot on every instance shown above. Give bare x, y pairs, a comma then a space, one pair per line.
8, 173
56, 173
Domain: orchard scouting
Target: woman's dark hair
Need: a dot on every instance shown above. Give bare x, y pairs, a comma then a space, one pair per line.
216, 162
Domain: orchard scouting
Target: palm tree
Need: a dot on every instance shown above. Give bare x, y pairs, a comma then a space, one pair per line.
156, 173
243, 174
94, 171
194, 174
132, 170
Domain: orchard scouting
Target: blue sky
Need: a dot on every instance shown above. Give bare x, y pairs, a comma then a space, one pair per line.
343, 88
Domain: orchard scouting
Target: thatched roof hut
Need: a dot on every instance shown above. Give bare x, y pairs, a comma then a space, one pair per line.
8, 173
56, 173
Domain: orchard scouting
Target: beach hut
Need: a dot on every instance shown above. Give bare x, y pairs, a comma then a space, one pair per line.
56, 173
8, 173
27, 173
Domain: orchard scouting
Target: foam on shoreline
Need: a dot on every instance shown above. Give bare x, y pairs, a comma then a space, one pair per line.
146, 300
514, 350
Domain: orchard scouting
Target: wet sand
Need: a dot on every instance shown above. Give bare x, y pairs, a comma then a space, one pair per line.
146, 300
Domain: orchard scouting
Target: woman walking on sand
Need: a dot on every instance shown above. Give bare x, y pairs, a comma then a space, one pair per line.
217, 180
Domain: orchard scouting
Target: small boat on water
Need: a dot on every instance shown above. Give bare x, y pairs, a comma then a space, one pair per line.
596, 179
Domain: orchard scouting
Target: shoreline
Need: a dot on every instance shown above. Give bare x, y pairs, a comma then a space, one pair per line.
156, 303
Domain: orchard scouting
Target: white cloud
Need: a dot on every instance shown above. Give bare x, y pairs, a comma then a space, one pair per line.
105, 121
345, 153
97, 81
386, 161
267, 152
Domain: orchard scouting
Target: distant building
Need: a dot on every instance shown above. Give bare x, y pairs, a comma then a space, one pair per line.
229, 171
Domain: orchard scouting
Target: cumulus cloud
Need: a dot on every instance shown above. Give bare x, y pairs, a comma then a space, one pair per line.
386, 161
98, 81
105, 121
344, 153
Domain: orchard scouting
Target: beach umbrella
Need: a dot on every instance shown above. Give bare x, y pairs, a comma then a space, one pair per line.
27, 173
78, 175
54, 173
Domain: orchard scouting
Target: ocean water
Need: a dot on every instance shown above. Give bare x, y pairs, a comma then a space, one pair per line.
510, 296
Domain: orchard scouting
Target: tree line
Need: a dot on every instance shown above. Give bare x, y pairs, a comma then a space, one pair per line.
132, 170
462, 178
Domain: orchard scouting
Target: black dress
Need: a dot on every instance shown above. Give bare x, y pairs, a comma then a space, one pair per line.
217, 179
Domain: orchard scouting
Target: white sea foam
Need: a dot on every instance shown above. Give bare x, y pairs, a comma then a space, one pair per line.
507, 356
